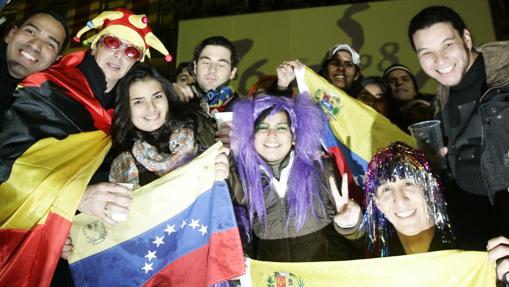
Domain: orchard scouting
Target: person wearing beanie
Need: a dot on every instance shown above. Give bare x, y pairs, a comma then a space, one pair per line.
75, 95
404, 89
402, 81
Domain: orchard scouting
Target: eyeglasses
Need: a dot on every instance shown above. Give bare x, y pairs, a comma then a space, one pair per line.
114, 43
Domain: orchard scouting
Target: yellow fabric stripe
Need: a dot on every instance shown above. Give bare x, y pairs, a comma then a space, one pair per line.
359, 127
50, 176
450, 268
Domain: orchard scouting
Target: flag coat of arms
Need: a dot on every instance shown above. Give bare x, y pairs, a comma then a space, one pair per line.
448, 268
355, 131
181, 231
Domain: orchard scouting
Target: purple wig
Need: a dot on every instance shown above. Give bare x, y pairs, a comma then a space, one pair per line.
398, 160
306, 126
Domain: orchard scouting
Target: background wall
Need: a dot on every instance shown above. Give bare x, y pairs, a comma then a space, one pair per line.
378, 31
166, 16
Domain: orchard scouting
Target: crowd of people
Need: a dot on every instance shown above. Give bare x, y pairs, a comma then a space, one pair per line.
293, 204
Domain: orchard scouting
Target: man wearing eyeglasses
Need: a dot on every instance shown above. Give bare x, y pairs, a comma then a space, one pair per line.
73, 96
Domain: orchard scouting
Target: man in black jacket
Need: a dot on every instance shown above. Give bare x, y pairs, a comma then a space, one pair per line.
473, 104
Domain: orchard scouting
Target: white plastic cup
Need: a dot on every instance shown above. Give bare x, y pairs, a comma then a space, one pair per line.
117, 216
222, 117
128, 185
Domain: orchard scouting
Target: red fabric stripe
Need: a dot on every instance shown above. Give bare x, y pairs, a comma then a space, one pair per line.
76, 85
29, 257
353, 190
220, 260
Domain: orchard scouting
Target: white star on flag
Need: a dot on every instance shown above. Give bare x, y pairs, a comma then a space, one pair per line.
183, 224
151, 255
170, 229
194, 223
147, 267
159, 240
203, 229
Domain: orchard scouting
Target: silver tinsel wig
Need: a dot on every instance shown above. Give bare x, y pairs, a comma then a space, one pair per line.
399, 160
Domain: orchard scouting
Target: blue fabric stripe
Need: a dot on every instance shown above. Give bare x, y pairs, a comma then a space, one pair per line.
357, 165
122, 265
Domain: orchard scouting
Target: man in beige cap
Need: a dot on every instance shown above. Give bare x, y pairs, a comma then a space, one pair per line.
340, 67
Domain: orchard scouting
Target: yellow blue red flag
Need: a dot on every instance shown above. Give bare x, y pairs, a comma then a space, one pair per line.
355, 131
450, 268
181, 231
38, 202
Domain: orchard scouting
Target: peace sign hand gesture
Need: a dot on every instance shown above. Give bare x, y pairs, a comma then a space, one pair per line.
348, 211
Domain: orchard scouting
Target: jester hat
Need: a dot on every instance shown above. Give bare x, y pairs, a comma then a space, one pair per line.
124, 24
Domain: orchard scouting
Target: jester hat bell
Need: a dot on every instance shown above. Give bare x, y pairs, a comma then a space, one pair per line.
124, 24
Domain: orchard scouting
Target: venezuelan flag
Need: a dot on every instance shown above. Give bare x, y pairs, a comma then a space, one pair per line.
449, 268
181, 231
39, 201
356, 131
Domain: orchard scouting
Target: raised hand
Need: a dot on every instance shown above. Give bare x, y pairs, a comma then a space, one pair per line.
286, 74
184, 92
348, 211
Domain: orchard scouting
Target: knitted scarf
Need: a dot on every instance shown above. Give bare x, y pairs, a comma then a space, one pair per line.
182, 149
